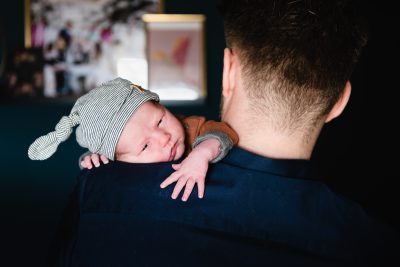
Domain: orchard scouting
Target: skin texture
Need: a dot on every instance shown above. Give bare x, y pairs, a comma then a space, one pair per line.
152, 134
193, 169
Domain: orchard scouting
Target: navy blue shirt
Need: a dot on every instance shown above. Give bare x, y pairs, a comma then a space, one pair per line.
256, 212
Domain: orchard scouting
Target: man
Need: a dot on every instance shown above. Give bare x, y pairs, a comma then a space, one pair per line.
286, 73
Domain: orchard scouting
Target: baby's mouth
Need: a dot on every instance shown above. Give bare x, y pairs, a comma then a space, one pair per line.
173, 152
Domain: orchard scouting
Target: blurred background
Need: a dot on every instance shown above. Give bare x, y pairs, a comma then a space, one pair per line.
358, 152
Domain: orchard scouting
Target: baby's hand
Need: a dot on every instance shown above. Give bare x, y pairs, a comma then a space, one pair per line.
93, 159
190, 171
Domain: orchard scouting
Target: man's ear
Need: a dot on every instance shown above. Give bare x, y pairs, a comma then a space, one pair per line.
228, 74
340, 104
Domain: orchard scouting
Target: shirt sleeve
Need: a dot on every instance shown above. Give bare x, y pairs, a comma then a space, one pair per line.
221, 131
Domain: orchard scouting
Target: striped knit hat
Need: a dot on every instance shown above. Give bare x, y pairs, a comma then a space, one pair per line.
101, 115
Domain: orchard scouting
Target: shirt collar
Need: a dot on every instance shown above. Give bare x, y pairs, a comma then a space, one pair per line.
293, 168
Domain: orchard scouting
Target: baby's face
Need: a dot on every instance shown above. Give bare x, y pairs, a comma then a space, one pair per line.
152, 134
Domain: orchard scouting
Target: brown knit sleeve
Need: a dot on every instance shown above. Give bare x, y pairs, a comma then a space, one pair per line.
196, 126
216, 126
192, 126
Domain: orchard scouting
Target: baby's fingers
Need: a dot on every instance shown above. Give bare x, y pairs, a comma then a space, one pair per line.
86, 162
178, 188
170, 179
104, 159
95, 160
188, 189
200, 188
176, 166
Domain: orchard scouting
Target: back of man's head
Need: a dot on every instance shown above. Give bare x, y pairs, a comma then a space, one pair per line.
296, 56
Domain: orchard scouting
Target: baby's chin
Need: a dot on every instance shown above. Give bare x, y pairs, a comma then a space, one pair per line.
179, 151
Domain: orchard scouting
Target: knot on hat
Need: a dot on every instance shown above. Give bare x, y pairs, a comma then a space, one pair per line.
46, 145
64, 127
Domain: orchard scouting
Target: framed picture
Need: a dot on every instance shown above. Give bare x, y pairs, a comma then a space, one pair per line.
176, 56
71, 46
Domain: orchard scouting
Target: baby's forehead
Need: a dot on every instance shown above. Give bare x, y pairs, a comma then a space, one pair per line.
151, 106
157, 105
147, 112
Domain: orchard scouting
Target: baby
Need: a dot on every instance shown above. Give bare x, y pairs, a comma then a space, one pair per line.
121, 121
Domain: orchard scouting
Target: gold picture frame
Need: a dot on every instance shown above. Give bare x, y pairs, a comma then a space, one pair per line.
176, 56
28, 25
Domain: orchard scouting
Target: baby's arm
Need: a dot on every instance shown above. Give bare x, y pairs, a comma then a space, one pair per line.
213, 143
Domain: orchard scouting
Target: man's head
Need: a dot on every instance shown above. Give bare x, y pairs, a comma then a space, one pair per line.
294, 57
152, 134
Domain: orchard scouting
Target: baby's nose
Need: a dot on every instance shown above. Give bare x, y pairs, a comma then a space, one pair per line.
163, 138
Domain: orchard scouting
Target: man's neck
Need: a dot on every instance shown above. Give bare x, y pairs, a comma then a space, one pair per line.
261, 134
274, 145
261, 138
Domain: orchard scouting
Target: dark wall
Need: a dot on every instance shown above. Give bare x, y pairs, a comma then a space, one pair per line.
12, 22
352, 151
358, 151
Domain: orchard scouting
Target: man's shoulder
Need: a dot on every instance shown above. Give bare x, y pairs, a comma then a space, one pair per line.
115, 169
112, 184
247, 212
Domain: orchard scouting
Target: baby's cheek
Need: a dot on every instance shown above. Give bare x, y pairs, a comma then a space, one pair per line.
180, 150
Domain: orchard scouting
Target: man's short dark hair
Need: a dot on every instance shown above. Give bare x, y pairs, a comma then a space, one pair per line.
304, 50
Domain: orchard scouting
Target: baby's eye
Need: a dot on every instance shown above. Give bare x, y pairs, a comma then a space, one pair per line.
158, 124
144, 147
